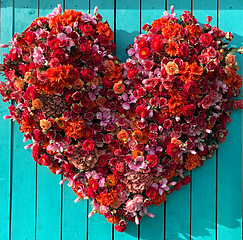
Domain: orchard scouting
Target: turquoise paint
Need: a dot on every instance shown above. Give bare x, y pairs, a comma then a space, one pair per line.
5, 133
152, 10
178, 203
48, 220
204, 178
74, 216
23, 178
230, 152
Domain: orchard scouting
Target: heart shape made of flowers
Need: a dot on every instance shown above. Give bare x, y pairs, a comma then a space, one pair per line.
123, 135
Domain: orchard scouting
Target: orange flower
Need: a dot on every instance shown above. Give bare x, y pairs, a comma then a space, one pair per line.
159, 23
100, 101
58, 78
172, 68
27, 127
109, 64
192, 161
37, 103
176, 103
171, 30
104, 28
19, 83
119, 87
54, 167
123, 136
76, 188
29, 78
61, 122
133, 124
170, 175
196, 71
74, 128
78, 84
113, 219
137, 135
136, 154
194, 30
107, 199
110, 180
173, 49
160, 199
45, 124
68, 18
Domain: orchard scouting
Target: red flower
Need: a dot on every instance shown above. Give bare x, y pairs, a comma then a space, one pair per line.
156, 44
173, 149
152, 193
87, 30
88, 145
183, 51
90, 192
54, 44
67, 168
87, 75
119, 228
188, 110
36, 151
102, 161
206, 39
85, 48
190, 88
141, 111
144, 53
30, 37
45, 160
94, 184
31, 93
153, 161
142, 43
131, 74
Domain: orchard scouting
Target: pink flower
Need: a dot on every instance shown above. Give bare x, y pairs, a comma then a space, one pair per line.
131, 206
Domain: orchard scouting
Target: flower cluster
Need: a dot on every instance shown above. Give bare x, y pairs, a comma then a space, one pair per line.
181, 77
123, 135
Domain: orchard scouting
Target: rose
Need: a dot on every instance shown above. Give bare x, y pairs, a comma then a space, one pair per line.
45, 160
190, 88
87, 75
88, 145
36, 151
144, 53
172, 149
152, 193
188, 110
206, 39
131, 74
152, 160
131, 206
183, 51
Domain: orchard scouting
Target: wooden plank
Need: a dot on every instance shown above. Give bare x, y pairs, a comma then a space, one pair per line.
6, 15
74, 215
23, 178
127, 28
230, 153
127, 25
97, 224
152, 227
48, 216
204, 178
178, 202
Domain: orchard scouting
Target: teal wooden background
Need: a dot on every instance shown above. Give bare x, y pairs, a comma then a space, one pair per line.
34, 206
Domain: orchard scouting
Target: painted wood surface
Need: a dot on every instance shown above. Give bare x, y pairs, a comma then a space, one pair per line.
34, 206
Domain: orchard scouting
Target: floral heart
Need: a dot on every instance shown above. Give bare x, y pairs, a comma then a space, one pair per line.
123, 135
